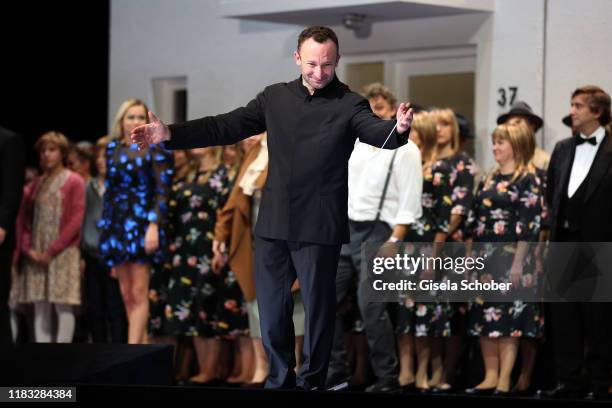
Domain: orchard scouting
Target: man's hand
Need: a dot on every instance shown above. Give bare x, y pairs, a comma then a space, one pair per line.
153, 132
2, 235
404, 117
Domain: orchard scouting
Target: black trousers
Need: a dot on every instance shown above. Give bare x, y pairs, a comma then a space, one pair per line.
376, 319
576, 325
277, 264
6, 338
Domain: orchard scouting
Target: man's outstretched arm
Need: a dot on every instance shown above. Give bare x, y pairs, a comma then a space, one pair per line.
225, 129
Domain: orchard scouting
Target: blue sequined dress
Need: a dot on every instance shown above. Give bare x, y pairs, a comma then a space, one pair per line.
138, 185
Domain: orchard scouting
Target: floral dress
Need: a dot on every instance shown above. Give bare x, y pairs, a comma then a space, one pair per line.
428, 319
60, 282
138, 184
198, 300
160, 274
463, 171
506, 211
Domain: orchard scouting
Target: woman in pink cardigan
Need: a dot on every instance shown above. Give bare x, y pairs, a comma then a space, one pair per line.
50, 219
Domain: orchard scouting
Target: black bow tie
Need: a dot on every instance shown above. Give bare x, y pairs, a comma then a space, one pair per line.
580, 140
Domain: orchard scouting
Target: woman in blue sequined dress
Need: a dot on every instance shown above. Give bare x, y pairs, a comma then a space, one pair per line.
133, 219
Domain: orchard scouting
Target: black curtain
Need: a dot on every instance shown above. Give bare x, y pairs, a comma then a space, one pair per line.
54, 69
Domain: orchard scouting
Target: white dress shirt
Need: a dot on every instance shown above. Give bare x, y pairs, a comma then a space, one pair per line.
368, 167
583, 159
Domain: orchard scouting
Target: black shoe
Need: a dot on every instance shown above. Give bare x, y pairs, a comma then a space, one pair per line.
500, 393
384, 386
254, 385
480, 391
408, 388
337, 379
436, 390
356, 386
342, 387
561, 391
598, 395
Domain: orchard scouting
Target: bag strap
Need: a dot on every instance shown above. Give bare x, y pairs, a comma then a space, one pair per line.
384, 192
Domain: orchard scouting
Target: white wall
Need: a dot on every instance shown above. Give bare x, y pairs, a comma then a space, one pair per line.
516, 42
578, 52
226, 61
545, 47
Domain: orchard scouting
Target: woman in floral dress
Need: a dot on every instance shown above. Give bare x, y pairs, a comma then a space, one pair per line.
507, 209
50, 221
446, 351
193, 299
418, 323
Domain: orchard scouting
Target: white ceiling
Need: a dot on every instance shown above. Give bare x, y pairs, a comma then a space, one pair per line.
331, 12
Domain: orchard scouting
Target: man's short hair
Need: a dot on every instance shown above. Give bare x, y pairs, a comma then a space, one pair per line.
320, 34
598, 101
377, 89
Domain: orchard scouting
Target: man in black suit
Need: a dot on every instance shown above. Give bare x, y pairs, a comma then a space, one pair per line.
12, 162
579, 196
312, 124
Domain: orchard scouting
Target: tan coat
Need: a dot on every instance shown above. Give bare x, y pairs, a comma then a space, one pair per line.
234, 226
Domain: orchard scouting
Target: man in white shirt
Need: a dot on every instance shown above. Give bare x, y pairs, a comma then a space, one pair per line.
579, 196
384, 199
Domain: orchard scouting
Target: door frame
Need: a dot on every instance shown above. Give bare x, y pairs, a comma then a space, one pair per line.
433, 60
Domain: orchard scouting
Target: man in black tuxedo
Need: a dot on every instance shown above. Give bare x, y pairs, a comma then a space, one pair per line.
579, 196
12, 163
312, 124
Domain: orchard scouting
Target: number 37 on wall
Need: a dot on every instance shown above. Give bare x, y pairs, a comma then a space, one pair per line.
506, 96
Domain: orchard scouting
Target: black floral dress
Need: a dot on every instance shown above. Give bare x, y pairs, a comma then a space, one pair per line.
463, 172
160, 274
200, 302
138, 185
506, 211
428, 319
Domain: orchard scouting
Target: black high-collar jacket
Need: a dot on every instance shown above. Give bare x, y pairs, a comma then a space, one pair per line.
310, 139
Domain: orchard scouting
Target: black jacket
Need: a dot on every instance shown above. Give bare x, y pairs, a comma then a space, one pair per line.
310, 139
595, 222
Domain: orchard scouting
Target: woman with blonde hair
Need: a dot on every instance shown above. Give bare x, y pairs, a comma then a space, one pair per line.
133, 222
51, 218
463, 170
529, 346
418, 323
507, 208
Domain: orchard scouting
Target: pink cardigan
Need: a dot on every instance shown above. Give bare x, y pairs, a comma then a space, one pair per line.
73, 210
